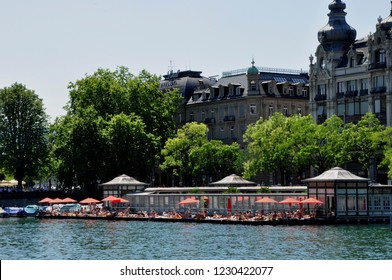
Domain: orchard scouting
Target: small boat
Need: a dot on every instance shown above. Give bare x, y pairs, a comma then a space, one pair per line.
31, 210
3, 213
15, 211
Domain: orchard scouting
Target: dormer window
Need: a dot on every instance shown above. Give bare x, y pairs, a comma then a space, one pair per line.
291, 91
253, 86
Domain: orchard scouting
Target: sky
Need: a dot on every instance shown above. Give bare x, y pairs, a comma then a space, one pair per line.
46, 44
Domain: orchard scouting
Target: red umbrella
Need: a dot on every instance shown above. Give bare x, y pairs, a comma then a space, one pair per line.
266, 200
68, 200
89, 200
189, 200
229, 206
45, 200
311, 200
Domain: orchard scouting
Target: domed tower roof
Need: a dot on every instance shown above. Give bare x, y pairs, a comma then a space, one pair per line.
253, 70
386, 24
337, 35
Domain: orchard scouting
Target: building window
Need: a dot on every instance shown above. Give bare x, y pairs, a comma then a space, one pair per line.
322, 89
341, 109
377, 202
222, 113
377, 106
350, 108
232, 132
253, 109
352, 85
305, 92
203, 116
322, 63
232, 110
192, 116
364, 107
222, 133
242, 110
270, 110
299, 111
341, 87
285, 111
291, 91
253, 86
387, 203
378, 81
212, 113
381, 56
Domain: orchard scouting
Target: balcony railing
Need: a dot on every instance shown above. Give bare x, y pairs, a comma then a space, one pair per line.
320, 97
230, 118
363, 92
378, 90
351, 93
377, 65
339, 95
209, 120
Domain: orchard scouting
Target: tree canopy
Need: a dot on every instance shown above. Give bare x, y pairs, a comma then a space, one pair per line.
115, 123
23, 133
295, 143
190, 153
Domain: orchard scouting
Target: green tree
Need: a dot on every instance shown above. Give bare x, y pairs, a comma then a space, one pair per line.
115, 123
23, 133
176, 151
361, 142
329, 148
215, 158
279, 143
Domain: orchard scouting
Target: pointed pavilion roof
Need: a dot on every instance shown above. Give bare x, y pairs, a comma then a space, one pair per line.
336, 174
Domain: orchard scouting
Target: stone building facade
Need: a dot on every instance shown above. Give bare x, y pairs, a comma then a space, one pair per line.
242, 97
351, 76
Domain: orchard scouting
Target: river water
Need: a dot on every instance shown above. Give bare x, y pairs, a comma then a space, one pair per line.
31, 239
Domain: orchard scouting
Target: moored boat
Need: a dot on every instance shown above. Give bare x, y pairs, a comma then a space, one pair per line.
31, 210
15, 211
3, 213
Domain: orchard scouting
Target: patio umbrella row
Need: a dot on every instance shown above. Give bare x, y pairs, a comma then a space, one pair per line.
310, 200
88, 200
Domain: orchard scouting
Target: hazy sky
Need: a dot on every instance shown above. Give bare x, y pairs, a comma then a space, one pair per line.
45, 44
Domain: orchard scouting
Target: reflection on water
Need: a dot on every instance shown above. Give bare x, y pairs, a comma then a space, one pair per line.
30, 238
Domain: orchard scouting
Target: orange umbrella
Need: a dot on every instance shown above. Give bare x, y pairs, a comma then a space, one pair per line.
122, 200
312, 200
110, 198
69, 200
266, 200
89, 200
56, 201
45, 200
290, 201
189, 200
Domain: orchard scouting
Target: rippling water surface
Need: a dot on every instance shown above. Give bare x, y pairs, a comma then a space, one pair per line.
30, 238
